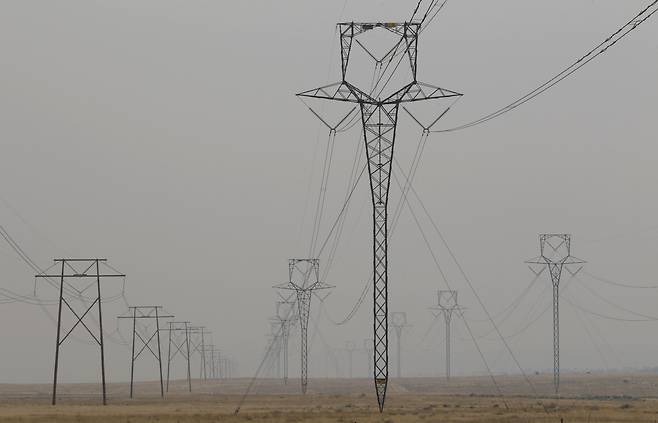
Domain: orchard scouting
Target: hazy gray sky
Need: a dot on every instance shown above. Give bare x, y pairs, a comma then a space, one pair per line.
165, 136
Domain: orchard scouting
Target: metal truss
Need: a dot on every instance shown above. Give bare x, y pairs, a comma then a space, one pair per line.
367, 347
304, 280
555, 255
446, 305
80, 271
210, 353
399, 323
145, 338
379, 118
197, 346
350, 347
284, 319
179, 337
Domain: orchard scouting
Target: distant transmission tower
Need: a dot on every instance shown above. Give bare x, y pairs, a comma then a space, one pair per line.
210, 361
447, 304
286, 316
379, 118
555, 255
399, 323
350, 347
146, 338
367, 347
182, 347
304, 279
80, 271
275, 338
198, 345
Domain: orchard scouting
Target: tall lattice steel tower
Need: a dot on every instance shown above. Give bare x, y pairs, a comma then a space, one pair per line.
399, 323
286, 317
350, 347
555, 255
379, 118
304, 279
367, 348
446, 305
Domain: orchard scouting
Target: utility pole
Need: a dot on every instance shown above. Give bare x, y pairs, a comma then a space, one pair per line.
304, 279
145, 339
80, 271
446, 305
379, 118
350, 347
555, 254
399, 322
367, 347
182, 347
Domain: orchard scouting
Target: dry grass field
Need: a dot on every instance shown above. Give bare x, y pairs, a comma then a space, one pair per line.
586, 398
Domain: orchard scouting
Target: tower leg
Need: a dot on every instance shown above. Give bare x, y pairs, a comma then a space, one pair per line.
100, 325
286, 337
132, 355
59, 328
189, 368
556, 338
448, 351
304, 304
157, 328
379, 123
398, 332
169, 355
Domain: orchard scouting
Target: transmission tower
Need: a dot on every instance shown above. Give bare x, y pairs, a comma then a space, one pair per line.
399, 323
210, 352
179, 337
275, 339
79, 271
555, 254
350, 347
304, 280
379, 118
197, 346
367, 347
446, 305
145, 338
286, 317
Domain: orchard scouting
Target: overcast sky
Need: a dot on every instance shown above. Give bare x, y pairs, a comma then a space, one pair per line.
165, 136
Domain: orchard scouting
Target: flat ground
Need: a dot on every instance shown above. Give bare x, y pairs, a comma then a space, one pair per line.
585, 398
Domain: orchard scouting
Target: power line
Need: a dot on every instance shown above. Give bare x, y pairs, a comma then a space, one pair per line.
600, 49
617, 306
604, 316
619, 284
472, 288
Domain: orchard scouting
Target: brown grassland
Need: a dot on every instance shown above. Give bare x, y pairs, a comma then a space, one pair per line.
585, 398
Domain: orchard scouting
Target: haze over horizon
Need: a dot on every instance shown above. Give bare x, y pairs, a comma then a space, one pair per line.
166, 137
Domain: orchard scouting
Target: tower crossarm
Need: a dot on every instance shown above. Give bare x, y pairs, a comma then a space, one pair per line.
339, 91
418, 91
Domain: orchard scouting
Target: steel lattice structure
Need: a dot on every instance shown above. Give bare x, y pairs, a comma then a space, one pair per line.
197, 336
447, 304
182, 346
555, 255
379, 118
145, 339
350, 347
80, 269
304, 279
367, 347
399, 323
286, 317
